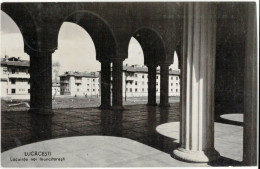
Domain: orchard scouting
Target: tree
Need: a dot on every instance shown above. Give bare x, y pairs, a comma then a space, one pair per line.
55, 70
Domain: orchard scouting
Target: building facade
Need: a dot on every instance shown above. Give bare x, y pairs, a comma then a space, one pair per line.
135, 81
79, 84
15, 78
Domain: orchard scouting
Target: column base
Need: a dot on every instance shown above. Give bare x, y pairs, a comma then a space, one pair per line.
104, 107
151, 104
164, 105
196, 156
40, 111
117, 108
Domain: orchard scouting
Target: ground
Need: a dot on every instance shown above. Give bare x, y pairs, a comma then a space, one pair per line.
61, 102
135, 122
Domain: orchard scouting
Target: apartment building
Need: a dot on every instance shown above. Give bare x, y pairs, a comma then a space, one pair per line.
15, 78
135, 81
79, 84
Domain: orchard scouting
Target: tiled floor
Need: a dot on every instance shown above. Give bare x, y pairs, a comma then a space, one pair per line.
93, 151
228, 138
136, 122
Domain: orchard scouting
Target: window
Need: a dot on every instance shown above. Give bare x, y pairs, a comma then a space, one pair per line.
176, 90
143, 89
13, 90
77, 84
93, 80
78, 90
13, 71
28, 90
136, 90
135, 75
29, 81
130, 89
143, 76
156, 77
171, 84
135, 83
157, 90
176, 84
6, 90
126, 89
176, 77
12, 81
93, 90
87, 84
156, 83
171, 90
171, 78
87, 89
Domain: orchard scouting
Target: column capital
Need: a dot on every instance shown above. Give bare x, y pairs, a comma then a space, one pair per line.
34, 52
152, 65
164, 64
105, 60
117, 59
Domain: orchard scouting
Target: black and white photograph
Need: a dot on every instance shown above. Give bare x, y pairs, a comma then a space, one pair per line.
129, 84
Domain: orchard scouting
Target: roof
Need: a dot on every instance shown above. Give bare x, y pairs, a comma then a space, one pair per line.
13, 61
145, 70
81, 74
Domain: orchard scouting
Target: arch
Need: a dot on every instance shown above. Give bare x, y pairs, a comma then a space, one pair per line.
25, 22
152, 45
98, 29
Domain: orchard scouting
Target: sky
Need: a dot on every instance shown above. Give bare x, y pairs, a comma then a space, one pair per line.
76, 50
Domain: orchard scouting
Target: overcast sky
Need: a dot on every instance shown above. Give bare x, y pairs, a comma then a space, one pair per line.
76, 50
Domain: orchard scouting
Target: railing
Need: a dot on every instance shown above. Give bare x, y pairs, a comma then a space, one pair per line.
22, 76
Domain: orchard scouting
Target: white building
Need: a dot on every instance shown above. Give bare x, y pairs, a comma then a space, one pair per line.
135, 81
79, 84
15, 78
55, 87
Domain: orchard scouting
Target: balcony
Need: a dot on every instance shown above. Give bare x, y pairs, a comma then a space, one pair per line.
19, 76
78, 81
64, 81
129, 78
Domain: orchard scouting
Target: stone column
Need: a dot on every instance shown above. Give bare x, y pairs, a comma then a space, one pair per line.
105, 84
164, 88
117, 100
198, 80
250, 90
151, 85
41, 82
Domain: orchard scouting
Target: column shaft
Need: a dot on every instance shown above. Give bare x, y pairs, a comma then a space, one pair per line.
117, 100
250, 90
151, 85
105, 84
41, 82
198, 77
164, 85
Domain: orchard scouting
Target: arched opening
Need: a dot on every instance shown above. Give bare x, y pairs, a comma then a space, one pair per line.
174, 80
93, 41
134, 87
147, 49
15, 77
75, 70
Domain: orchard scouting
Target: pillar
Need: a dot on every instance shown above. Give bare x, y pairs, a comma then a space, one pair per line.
105, 84
151, 85
164, 87
117, 100
198, 79
41, 82
250, 90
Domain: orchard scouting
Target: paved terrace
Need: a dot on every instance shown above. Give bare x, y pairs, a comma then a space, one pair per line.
151, 127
